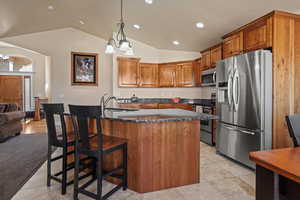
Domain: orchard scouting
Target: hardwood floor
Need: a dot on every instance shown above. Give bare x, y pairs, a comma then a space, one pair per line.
31, 127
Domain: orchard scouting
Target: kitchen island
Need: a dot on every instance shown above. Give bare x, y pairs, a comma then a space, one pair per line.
163, 146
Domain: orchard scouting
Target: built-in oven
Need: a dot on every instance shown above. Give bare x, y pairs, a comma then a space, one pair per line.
206, 126
208, 77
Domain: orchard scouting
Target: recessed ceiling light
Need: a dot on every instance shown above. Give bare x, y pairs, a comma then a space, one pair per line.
176, 42
81, 22
50, 7
200, 25
137, 26
149, 1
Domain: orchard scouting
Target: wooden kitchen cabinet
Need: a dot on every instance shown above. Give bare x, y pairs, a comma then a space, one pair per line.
185, 75
197, 72
233, 45
148, 75
167, 75
128, 72
140, 106
258, 35
176, 106
216, 54
206, 59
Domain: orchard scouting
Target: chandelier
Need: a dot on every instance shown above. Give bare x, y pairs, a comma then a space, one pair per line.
4, 57
120, 40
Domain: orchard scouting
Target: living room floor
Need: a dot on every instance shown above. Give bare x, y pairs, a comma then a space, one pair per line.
221, 179
31, 126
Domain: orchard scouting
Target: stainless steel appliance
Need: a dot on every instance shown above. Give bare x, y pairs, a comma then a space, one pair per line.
208, 77
207, 127
244, 105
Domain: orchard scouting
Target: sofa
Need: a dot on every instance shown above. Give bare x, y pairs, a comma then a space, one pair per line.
10, 120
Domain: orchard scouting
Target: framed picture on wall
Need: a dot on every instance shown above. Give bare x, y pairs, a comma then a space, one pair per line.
84, 69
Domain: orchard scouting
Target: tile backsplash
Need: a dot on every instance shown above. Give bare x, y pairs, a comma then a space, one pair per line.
192, 93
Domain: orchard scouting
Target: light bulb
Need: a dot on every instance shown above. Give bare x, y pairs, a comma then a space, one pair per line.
149, 1
109, 49
129, 52
124, 45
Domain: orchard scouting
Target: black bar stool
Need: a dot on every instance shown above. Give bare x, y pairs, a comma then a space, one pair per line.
293, 123
96, 147
61, 140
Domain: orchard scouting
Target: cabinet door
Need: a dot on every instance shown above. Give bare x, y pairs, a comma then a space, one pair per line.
206, 59
176, 106
197, 73
216, 55
128, 72
233, 45
167, 75
148, 75
139, 106
258, 35
185, 75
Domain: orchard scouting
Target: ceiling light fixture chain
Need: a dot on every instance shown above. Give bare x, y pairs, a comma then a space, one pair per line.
121, 41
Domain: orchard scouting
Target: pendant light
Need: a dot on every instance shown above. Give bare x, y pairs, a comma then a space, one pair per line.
121, 41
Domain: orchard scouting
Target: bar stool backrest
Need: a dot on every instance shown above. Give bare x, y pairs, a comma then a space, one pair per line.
51, 110
293, 123
80, 118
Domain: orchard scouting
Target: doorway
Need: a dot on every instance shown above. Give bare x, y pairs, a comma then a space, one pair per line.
16, 89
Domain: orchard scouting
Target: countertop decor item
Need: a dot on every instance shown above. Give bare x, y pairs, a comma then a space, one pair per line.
84, 70
176, 99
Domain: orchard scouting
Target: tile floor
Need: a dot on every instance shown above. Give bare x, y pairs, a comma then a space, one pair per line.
220, 179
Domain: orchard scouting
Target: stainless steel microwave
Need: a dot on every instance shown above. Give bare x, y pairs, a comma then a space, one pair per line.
208, 77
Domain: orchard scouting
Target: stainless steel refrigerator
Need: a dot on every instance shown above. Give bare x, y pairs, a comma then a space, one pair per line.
244, 105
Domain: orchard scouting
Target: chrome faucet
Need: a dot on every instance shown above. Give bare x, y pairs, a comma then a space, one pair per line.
104, 102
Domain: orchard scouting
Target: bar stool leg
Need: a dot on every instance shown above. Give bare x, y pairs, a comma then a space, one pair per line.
49, 166
76, 174
125, 167
64, 168
99, 178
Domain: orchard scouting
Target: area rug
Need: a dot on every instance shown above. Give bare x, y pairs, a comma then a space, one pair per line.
20, 158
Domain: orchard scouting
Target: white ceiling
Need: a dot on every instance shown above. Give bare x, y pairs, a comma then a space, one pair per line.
162, 22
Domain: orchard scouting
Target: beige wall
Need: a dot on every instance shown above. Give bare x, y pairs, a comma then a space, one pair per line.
58, 44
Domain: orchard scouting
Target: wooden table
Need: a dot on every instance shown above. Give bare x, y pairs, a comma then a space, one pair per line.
277, 174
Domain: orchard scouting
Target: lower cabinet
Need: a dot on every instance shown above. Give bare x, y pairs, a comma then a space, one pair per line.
158, 106
140, 106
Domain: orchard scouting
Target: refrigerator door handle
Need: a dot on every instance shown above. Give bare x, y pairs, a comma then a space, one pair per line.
229, 90
238, 129
235, 90
229, 127
247, 132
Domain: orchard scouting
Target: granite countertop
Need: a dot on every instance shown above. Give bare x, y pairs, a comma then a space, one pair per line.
201, 102
155, 115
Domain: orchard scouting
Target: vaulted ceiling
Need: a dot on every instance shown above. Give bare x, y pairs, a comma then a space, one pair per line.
161, 22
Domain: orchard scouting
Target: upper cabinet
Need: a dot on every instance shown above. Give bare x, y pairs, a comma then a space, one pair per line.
258, 35
233, 45
216, 54
167, 75
185, 75
197, 72
128, 72
206, 59
148, 75
253, 36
